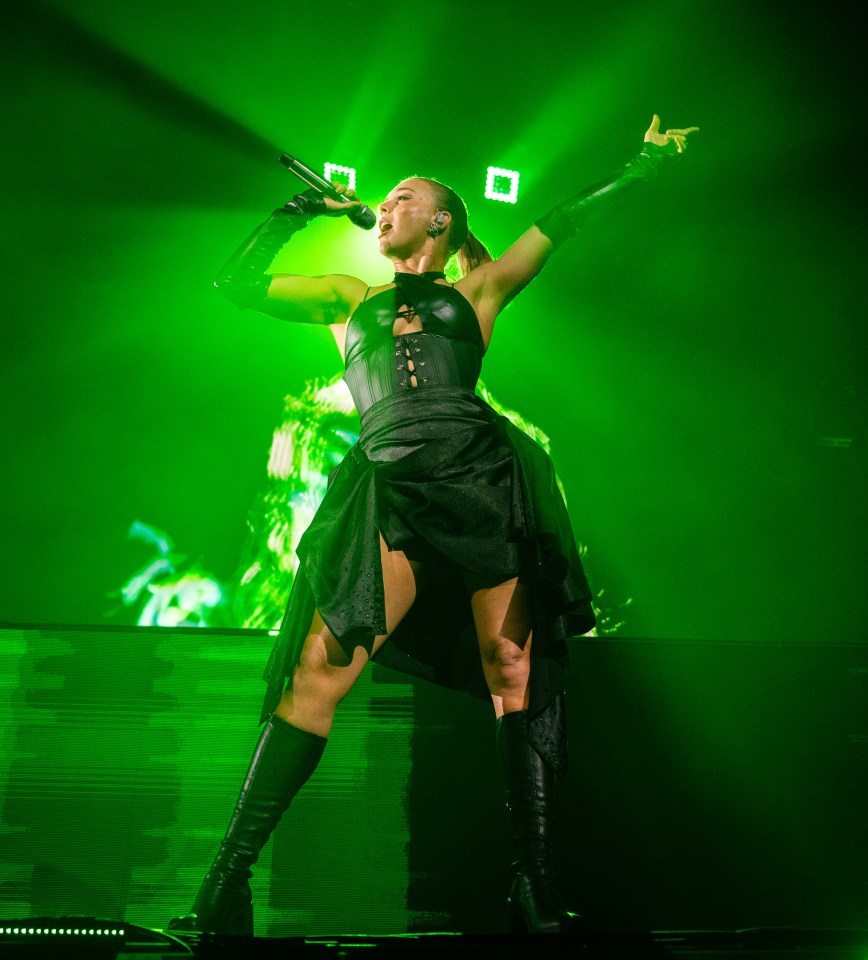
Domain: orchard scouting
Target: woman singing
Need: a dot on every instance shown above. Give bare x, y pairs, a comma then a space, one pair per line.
442, 547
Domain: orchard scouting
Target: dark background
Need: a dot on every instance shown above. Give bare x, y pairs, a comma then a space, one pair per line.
691, 356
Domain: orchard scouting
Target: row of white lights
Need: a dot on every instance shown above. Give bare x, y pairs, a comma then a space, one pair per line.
500, 184
56, 930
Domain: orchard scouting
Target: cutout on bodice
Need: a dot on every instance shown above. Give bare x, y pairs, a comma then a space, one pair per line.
406, 321
408, 332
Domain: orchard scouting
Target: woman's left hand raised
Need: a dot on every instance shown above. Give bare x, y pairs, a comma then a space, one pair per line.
678, 137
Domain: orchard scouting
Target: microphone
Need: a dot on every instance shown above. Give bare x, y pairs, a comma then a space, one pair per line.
362, 216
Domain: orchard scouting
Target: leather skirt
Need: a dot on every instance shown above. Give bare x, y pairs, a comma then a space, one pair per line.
456, 486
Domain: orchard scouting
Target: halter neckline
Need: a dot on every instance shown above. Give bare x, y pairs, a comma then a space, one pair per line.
429, 274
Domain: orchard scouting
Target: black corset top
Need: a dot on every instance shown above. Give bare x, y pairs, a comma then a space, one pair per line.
447, 351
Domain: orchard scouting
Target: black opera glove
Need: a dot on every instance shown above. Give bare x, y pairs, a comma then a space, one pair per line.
243, 279
562, 222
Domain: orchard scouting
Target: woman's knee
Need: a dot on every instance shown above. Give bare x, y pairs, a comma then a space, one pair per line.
504, 652
320, 684
505, 662
325, 670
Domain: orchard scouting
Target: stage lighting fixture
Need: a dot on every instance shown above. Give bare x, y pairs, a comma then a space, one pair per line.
501, 185
91, 936
335, 171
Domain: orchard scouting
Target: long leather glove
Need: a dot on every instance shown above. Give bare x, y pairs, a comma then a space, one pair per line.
564, 220
243, 279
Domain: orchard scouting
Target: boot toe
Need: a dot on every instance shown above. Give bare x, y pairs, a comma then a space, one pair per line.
189, 923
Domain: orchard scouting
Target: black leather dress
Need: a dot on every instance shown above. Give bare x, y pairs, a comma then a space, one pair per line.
453, 484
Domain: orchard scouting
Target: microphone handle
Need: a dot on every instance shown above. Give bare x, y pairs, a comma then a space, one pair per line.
363, 217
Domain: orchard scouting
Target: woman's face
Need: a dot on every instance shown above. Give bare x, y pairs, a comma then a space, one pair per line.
404, 217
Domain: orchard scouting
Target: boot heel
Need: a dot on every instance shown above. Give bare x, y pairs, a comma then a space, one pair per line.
241, 923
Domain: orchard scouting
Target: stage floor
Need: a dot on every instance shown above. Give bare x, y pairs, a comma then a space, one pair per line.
754, 944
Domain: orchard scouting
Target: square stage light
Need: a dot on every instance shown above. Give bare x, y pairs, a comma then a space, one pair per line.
335, 171
501, 185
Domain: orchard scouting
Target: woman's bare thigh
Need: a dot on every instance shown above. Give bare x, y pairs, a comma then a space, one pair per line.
501, 611
323, 653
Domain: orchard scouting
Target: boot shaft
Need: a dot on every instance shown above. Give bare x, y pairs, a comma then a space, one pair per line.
283, 760
530, 789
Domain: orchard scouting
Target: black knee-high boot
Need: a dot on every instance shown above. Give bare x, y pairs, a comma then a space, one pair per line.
283, 760
534, 904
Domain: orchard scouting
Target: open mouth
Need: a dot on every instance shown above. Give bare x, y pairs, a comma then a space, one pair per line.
384, 228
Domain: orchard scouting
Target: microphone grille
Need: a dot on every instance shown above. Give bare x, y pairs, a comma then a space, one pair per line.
363, 217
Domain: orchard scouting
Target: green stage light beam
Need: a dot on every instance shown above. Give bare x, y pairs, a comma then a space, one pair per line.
370, 111
576, 115
145, 85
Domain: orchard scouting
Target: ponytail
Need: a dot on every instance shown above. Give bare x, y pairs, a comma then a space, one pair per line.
472, 254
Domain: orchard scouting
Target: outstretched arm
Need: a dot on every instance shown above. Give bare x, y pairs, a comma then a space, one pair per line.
493, 285
244, 281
